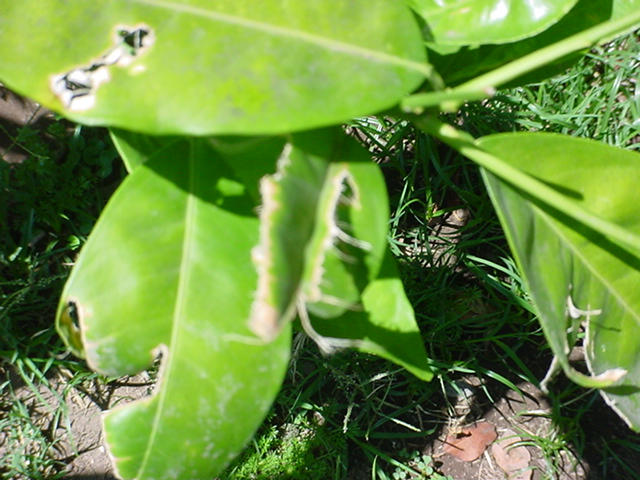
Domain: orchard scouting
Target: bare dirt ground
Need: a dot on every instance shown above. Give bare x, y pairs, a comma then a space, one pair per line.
514, 417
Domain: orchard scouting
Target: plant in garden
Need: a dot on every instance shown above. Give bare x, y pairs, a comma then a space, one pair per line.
247, 206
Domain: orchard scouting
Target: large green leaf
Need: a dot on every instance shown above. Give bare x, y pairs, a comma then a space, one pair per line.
477, 22
324, 251
621, 8
522, 64
167, 274
578, 277
231, 66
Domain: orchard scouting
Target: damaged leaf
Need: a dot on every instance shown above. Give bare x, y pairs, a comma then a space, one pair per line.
157, 282
469, 443
512, 458
323, 253
189, 67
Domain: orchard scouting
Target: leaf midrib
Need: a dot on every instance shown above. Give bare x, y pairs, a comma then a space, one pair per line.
180, 306
276, 30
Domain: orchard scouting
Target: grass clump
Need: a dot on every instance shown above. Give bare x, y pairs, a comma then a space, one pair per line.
297, 450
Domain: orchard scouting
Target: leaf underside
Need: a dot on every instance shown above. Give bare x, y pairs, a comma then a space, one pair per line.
578, 278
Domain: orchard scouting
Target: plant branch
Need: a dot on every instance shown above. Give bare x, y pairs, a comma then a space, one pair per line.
466, 145
485, 85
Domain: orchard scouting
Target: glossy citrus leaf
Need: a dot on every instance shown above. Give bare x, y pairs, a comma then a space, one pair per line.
231, 66
621, 8
248, 157
478, 22
470, 61
135, 149
578, 278
167, 276
385, 324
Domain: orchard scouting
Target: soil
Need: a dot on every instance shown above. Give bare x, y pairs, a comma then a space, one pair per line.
522, 415
16, 112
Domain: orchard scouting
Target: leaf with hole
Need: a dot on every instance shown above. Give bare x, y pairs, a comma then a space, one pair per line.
167, 275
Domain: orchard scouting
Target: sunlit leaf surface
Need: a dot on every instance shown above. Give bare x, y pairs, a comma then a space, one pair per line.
477, 22
230, 66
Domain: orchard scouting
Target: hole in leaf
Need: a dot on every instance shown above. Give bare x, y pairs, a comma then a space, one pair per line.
76, 88
72, 311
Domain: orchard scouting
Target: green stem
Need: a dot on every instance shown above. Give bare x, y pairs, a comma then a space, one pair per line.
485, 85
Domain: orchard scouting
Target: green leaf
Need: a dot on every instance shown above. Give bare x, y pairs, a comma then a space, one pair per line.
167, 275
470, 61
231, 66
349, 237
135, 149
576, 275
464, 22
384, 326
306, 205
519, 69
620, 8
324, 251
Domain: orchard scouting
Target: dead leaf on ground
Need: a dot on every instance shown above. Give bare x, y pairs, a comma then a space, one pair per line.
471, 442
512, 459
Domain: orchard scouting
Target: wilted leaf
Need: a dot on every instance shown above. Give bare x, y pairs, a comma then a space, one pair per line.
513, 459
